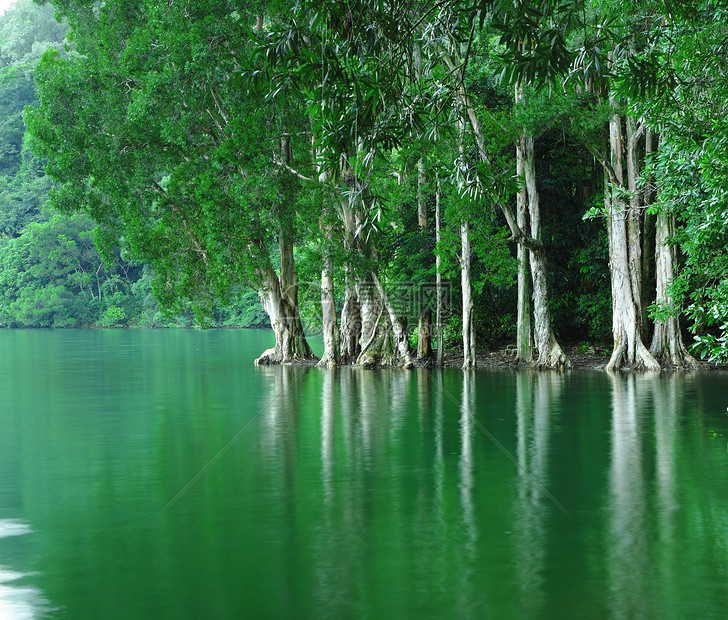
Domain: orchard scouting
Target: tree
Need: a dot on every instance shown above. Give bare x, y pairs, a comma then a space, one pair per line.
350, 80
683, 95
175, 161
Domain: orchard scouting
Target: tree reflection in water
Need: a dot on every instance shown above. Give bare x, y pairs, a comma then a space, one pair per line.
535, 397
18, 602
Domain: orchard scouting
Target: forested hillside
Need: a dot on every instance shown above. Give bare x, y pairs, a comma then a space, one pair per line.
51, 274
400, 174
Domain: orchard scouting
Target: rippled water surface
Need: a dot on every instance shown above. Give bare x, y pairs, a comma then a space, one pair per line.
159, 474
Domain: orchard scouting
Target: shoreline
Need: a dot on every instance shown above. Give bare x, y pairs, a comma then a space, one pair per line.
589, 358
583, 357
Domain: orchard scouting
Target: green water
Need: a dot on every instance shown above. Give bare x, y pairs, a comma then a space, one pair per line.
159, 474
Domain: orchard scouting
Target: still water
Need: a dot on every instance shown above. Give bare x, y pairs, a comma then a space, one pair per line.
159, 474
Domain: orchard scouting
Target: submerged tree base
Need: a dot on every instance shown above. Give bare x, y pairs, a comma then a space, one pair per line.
580, 357
555, 359
290, 350
273, 357
642, 359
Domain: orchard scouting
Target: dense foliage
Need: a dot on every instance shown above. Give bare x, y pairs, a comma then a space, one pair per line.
324, 154
52, 274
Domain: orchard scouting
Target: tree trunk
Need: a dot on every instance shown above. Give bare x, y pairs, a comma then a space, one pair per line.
424, 326
524, 329
648, 237
466, 283
634, 216
550, 353
438, 280
424, 335
351, 320
667, 343
279, 299
376, 343
403, 356
467, 292
351, 323
421, 205
628, 349
279, 296
330, 326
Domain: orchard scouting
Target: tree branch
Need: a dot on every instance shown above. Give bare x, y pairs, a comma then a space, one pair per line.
603, 161
293, 171
195, 239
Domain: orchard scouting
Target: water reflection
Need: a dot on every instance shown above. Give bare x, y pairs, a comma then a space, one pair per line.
332, 576
645, 549
439, 523
439, 468
628, 566
467, 597
328, 419
11, 527
666, 397
536, 395
18, 601
466, 460
387, 493
345, 499
279, 442
399, 400
281, 413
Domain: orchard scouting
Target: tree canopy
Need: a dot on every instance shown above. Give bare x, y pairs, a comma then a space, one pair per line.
336, 151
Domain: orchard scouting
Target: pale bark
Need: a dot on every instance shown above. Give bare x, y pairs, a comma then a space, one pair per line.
629, 350
421, 205
379, 336
351, 323
634, 216
550, 353
331, 356
467, 293
279, 299
403, 356
438, 280
380, 326
424, 326
329, 324
524, 329
667, 343
279, 296
648, 234
376, 343
466, 284
424, 335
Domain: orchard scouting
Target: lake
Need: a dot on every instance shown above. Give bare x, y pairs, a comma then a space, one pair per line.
159, 474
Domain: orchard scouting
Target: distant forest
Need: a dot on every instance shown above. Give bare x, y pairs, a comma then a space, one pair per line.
51, 273
405, 177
